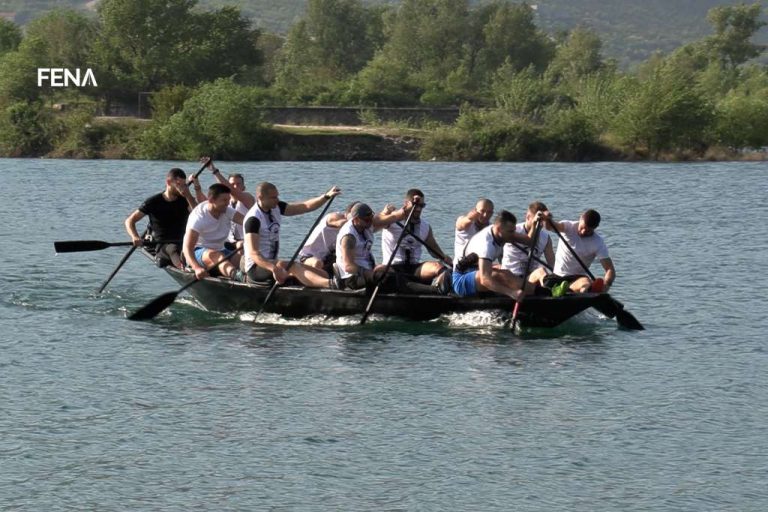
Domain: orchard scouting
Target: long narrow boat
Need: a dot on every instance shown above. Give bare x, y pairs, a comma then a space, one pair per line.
226, 296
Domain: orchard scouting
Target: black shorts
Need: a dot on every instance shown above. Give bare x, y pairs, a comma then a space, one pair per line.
406, 268
256, 274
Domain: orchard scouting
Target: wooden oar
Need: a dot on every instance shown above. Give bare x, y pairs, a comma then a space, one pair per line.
162, 302
295, 255
132, 249
403, 233
623, 317
516, 310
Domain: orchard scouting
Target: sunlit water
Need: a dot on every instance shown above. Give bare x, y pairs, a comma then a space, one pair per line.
198, 411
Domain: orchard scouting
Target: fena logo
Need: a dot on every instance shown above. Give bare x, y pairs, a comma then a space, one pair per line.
62, 77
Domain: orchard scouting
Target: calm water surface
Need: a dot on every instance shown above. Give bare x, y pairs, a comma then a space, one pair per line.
196, 411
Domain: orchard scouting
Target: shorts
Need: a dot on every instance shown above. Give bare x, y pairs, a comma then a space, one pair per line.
465, 285
257, 274
200, 252
554, 279
406, 268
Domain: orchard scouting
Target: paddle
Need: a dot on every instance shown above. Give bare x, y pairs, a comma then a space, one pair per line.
95, 245
121, 263
534, 240
162, 302
623, 317
295, 255
428, 247
132, 249
403, 233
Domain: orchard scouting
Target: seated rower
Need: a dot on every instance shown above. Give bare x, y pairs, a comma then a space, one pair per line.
168, 212
469, 224
407, 258
262, 238
515, 257
474, 271
242, 201
354, 261
589, 245
320, 249
208, 226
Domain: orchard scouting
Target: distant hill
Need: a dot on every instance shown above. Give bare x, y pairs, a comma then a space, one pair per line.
630, 29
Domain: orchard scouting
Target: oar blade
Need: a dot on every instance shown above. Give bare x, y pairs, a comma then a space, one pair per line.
155, 307
628, 321
80, 245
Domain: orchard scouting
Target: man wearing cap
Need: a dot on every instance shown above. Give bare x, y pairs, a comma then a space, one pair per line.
262, 238
168, 212
407, 258
589, 245
473, 272
354, 260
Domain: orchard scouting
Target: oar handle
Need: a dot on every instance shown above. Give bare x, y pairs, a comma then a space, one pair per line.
197, 174
429, 248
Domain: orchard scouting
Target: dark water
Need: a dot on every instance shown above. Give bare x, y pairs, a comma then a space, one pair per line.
196, 411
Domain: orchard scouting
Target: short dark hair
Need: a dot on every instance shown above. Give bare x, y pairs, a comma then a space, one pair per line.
504, 217
537, 206
264, 187
413, 192
591, 218
176, 173
237, 175
217, 189
350, 206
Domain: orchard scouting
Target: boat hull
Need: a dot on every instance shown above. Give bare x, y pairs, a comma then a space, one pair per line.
226, 296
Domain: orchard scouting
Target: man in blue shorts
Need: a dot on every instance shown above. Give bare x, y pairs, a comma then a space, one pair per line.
473, 272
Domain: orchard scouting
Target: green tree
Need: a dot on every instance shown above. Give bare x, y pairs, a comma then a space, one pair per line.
577, 56
735, 26
10, 36
68, 36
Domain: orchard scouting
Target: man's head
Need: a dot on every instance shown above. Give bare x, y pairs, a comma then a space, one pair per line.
588, 222
504, 226
266, 195
414, 196
348, 209
484, 208
361, 215
175, 178
533, 209
236, 181
218, 197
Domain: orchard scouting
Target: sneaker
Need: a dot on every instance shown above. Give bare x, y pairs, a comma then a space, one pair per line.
238, 276
443, 282
561, 289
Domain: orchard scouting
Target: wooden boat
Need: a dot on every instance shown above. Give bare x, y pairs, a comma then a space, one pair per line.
226, 296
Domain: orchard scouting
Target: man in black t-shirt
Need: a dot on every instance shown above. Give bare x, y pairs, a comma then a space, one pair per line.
168, 212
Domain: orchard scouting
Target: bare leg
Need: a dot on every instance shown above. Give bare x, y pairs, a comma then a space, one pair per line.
226, 267
581, 285
314, 262
428, 271
308, 276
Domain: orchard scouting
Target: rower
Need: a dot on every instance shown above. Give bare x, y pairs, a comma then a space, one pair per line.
474, 271
469, 224
355, 264
407, 259
515, 257
588, 245
207, 229
320, 249
168, 212
242, 201
262, 238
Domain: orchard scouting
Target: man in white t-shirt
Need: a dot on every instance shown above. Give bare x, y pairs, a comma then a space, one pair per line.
515, 258
467, 225
407, 258
473, 272
589, 245
208, 227
241, 201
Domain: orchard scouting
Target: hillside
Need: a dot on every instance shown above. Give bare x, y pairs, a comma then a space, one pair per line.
631, 29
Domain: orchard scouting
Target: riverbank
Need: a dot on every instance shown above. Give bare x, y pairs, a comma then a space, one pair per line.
117, 138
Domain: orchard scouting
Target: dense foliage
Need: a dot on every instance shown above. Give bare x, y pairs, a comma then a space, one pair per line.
525, 94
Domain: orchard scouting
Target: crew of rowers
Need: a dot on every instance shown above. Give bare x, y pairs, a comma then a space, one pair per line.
209, 231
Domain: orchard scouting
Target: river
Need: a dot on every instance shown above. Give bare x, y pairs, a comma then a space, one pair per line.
199, 411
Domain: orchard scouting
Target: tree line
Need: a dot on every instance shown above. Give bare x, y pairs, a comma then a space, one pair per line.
524, 94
